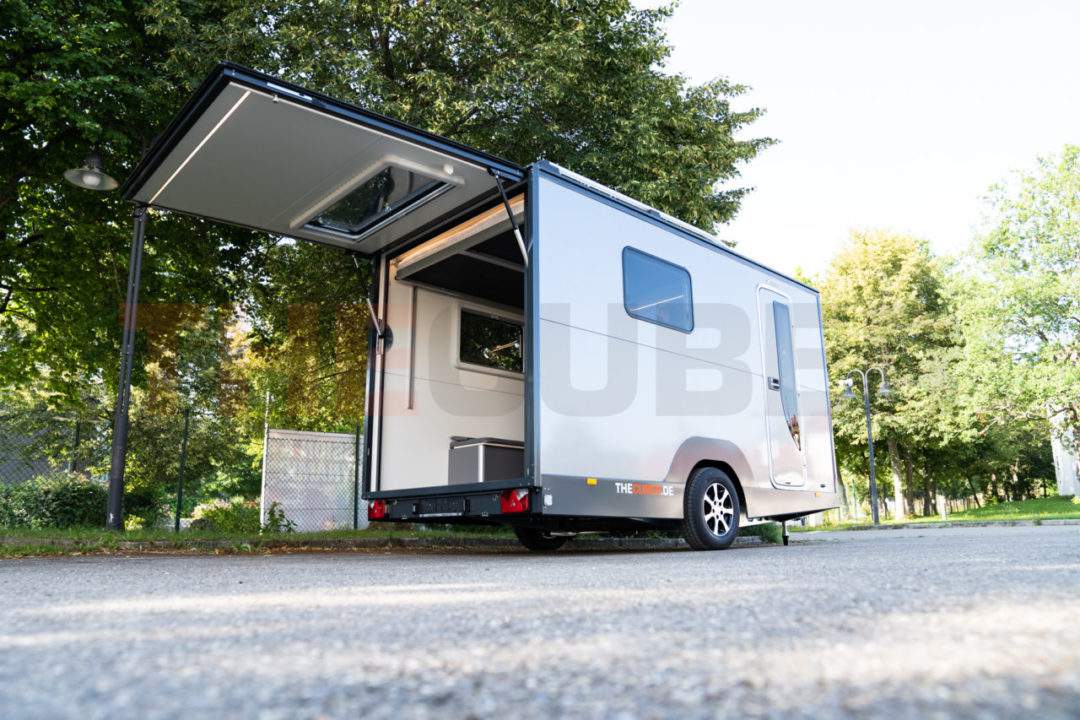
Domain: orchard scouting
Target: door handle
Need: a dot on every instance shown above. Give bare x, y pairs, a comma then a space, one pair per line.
774, 383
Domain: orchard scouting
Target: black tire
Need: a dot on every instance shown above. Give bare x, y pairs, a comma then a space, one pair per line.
710, 503
538, 540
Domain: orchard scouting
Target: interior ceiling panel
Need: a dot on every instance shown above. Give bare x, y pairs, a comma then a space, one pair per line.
270, 157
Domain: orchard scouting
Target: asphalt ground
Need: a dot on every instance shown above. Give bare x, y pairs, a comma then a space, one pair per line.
959, 622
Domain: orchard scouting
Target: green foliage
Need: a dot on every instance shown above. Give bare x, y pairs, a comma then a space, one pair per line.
768, 532
888, 302
236, 515
228, 315
58, 500
1022, 303
276, 522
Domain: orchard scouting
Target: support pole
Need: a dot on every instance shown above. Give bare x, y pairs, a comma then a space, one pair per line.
356, 480
75, 449
180, 475
870, 442
118, 457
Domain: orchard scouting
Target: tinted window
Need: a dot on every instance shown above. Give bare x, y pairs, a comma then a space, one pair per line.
392, 190
491, 342
785, 361
657, 291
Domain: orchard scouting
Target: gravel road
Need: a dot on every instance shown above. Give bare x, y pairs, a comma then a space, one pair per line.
973, 622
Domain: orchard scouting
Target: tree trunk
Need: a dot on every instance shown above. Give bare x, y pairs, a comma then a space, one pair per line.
1015, 480
928, 506
898, 488
907, 482
974, 492
993, 486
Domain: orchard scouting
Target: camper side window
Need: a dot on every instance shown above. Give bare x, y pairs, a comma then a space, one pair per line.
657, 291
785, 365
490, 342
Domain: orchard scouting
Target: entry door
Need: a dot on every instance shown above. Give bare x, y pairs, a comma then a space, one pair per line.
782, 413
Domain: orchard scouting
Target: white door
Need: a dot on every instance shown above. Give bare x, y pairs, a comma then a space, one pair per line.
782, 420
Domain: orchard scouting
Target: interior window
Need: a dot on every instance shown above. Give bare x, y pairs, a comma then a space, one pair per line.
657, 291
490, 342
391, 191
785, 360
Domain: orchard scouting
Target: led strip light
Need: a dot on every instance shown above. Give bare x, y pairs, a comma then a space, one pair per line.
199, 146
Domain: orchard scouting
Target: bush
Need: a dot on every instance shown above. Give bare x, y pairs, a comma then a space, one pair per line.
276, 522
57, 500
768, 532
236, 515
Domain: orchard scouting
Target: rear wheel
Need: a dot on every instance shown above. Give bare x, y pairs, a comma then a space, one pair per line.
539, 540
710, 510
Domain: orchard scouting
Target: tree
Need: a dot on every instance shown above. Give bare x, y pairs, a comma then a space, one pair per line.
1023, 298
576, 82
884, 304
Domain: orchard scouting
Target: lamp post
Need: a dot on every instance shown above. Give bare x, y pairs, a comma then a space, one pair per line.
91, 177
849, 394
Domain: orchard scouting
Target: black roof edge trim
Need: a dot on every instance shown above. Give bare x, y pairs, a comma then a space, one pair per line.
225, 72
653, 216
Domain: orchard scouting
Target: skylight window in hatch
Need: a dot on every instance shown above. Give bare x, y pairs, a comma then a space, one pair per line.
390, 192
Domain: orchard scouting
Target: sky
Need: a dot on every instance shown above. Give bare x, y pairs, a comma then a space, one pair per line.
893, 115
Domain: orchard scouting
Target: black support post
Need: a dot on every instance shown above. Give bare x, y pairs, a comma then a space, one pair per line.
870, 445
118, 457
180, 475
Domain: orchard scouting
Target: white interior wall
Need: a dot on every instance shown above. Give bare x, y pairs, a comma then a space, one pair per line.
448, 398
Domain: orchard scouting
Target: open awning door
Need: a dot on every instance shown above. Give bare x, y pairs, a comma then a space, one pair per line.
251, 150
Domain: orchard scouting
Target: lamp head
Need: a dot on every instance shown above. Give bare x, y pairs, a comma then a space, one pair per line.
884, 390
90, 176
849, 393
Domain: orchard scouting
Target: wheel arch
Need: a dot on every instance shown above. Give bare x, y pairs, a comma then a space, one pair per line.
698, 452
729, 471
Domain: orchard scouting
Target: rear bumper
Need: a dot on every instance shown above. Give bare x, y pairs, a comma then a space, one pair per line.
455, 503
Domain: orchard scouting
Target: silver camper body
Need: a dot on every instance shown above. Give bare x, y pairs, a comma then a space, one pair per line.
613, 408
544, 351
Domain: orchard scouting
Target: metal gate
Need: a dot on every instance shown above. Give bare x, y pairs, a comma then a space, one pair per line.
314, 478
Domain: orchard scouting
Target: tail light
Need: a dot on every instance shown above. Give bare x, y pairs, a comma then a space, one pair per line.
514, 501
376, 510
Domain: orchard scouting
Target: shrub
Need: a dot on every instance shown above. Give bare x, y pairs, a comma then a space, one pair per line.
768, 532
276, 522
57, 500
235, 515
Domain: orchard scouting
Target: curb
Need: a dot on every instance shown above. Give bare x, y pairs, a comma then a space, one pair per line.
358, 544
943, 524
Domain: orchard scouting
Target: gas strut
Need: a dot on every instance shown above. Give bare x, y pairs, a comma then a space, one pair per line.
371, 308
510, 213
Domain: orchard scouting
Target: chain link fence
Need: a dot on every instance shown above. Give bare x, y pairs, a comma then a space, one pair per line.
34, 443
313, 478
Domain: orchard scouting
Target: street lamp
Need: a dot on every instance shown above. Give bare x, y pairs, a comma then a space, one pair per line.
849, 394
91, 177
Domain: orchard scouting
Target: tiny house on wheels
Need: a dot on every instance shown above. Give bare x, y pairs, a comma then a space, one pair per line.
545, 353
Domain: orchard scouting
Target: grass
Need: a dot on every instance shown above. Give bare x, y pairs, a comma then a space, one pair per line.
1050, 508
23, 542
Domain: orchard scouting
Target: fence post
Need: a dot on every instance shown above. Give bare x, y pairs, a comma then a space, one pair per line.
75, 449
266, 451
356, 481
180, 476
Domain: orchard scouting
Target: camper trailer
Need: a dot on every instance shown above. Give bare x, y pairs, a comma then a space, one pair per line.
545, 353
